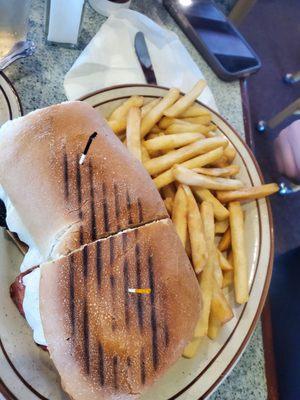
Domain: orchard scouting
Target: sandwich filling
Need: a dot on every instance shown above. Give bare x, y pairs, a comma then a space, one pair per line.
31, 280
14, 223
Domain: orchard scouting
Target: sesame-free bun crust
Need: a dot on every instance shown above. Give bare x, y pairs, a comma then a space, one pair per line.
105, 342
61, 203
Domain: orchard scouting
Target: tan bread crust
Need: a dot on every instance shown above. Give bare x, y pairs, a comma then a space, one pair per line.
64, 205
105, 342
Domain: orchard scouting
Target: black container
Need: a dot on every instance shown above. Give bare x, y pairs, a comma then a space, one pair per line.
215, 37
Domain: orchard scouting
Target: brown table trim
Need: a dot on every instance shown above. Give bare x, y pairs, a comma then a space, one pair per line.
270, 364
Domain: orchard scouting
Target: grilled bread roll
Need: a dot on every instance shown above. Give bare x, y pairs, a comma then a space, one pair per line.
105, 342
63, 204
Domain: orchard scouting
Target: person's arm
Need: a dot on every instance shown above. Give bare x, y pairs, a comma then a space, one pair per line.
287, 151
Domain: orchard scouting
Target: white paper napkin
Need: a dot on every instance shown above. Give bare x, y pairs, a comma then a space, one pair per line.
110, 59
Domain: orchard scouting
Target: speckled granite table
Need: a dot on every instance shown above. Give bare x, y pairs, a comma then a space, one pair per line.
39, 81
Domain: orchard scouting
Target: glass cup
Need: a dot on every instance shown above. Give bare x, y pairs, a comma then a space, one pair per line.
13, 23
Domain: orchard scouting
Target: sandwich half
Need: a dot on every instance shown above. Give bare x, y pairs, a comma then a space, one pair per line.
105, 341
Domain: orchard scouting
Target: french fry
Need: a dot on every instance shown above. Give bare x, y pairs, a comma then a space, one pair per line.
160, 164
179, 214
148, 107
202, 119
213, 327
157, 111
167, 121
118, 118
236, 219
211, 134
154, 129
117, 126
184, 102
196, 232
188, 177
207, 215
221, 163
250, 193
195, 110
218, 274
122, 111
170, 142
133, 134
225, 241
183, 127
230, 257
230, 153
167, 177
169, 205
220, 211
227, 279
188, 248
153, 135
145, 154
191, 348
206, 282
221, 226
225, 172
224, 263
168, 191
220, 307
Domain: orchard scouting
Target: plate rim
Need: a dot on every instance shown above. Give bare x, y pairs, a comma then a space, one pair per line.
14, 92
5, 391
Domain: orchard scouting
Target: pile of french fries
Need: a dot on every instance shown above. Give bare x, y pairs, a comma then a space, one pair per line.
192, 165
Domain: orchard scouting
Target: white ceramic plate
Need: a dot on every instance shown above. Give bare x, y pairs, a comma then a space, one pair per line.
10, 106
26, 371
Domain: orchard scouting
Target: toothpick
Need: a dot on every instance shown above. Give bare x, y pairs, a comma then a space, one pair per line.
139, 291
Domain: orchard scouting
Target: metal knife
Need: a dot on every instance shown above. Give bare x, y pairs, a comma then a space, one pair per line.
143, 56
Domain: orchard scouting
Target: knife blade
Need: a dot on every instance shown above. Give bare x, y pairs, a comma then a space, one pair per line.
143, 56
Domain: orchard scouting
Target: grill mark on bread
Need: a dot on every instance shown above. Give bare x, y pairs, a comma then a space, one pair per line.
166, 334
105, 208
142, 366
139, 298
112, 280
117, 205
128, 361
72, 293
128, 203
140, 210
85, 262
101, 364
86, 335
92, 196
79, 199
81, 241
111, 249
78, 186
115, 373
124, 240
99, 262
66, 174
126, 286
155, 359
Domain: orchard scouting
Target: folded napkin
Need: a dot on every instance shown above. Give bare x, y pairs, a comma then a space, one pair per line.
110, 59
